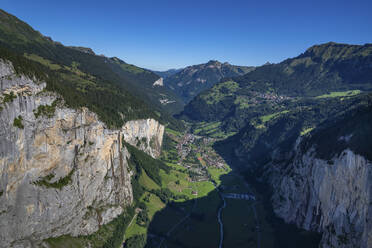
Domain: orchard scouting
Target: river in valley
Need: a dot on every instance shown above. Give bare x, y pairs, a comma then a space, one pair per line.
233, 213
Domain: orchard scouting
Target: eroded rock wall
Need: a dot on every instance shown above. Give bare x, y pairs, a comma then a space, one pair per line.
60, 174
146, 135
332, 197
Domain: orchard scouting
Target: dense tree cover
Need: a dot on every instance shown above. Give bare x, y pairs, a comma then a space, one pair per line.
120, 223
350, 129
112, 104
116, 91
256, 141
150, 165
167, 196
143, 217
192, 80
136, 241
144, 88
171, 154
320, 70
137, 188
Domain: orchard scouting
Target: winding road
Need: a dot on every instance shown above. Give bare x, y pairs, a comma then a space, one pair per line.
253, 206
219, 213
220, 219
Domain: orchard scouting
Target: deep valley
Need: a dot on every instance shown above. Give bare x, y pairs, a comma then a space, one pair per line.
99, 153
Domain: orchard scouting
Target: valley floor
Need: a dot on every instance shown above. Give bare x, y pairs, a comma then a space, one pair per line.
219, 195
210, 203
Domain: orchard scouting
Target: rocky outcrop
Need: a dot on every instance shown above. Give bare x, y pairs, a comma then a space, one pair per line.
62, 171
328, 196
158, 82
147, 135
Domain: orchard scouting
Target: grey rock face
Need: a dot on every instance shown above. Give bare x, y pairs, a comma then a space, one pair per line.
158, 82
72, 145
146, 135
332, 197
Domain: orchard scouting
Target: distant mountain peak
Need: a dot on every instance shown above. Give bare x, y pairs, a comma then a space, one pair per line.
337, 51
328, 45
190, 81
214, 62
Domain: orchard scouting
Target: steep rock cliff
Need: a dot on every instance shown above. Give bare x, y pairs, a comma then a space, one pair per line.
62, 171
325, 182
146, 135
329, 196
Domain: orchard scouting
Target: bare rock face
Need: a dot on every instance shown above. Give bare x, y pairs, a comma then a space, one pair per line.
63, 172
146, 135
158, 82
333, 197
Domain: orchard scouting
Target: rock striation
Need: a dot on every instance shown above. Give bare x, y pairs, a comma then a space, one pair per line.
328, 196
61, 170
146, 135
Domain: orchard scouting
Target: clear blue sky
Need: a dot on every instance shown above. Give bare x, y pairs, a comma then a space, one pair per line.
161, 34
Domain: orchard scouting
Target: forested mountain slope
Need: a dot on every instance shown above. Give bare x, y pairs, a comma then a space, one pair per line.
90, 141
115, 90
323, 182
68, 118
192, 80
322, 69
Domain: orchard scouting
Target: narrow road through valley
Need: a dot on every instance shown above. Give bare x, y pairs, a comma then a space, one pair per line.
219, 216
258, 228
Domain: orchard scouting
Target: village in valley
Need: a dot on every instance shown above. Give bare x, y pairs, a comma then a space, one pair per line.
210, 185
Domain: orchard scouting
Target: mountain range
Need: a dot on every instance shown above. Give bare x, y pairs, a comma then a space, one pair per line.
87, 75
190, 81
322, 69
167, 73
97, 152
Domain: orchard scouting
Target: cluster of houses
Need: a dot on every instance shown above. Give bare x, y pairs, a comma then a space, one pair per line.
182, 147
216, 161
256, 97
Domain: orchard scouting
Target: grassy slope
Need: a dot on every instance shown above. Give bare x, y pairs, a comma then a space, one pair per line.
325, 71
177, 180
340, 94
117, 92
192, 80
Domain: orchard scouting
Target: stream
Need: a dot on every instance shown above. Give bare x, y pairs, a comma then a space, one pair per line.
220, 220
219, 217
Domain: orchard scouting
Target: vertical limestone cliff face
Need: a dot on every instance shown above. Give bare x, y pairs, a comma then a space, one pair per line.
146, 135
62, 172
329, 196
